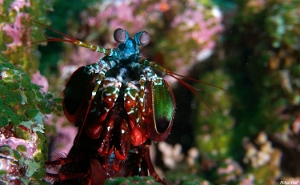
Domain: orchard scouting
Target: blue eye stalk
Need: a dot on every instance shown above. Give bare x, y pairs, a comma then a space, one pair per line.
128, 47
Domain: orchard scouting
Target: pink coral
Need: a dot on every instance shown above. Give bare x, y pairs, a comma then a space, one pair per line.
39, 79
202, 29
19, 4
15, 31
231, 171
82, 56
13, 142
248, 180
64, 138
119, 14
65, 135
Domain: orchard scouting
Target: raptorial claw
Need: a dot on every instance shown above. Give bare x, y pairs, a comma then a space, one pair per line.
119, 156
138, 136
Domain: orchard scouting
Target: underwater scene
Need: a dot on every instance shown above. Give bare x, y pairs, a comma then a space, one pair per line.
150, 92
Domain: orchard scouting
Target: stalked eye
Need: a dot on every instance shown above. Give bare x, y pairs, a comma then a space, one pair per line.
142, 38
120, 35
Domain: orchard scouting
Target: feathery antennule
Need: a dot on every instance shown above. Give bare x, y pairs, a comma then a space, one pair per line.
180, 79
193, 90
192, 79
71, 40
146, 62
54, 39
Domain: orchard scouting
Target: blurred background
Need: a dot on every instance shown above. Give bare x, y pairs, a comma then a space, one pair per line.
251, 48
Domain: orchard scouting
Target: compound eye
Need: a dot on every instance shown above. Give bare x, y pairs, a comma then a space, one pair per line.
120, 35
142, 38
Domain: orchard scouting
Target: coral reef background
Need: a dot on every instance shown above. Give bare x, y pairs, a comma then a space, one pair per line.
245, 134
